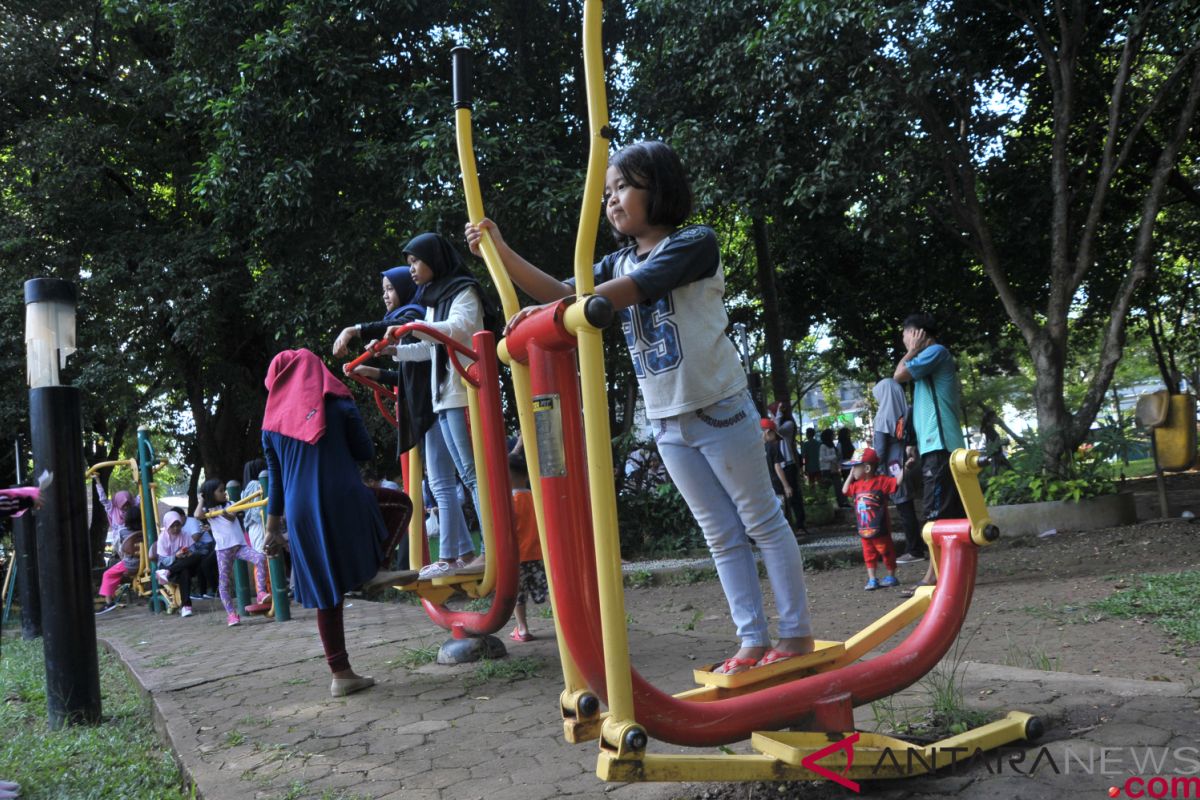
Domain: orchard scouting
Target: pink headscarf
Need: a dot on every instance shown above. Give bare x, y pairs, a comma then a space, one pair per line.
297, 385
116, 511
169, 544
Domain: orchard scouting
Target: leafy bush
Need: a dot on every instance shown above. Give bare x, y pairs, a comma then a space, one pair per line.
657, 522
654, 519
1086, 474
818, 504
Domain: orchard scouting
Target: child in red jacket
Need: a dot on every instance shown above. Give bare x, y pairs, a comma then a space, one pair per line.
870, 493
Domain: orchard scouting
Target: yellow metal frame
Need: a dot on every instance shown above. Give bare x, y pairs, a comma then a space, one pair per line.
617, 760
140, 581
1175, 440
574, 685
781, 755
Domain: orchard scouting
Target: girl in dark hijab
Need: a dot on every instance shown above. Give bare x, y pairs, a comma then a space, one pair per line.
402, 304
417, 423
455, 306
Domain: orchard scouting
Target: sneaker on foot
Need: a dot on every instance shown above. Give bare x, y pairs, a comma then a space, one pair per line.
909, 558
107, 608
163, 576
234, 619
872, 585
889, 580
344, 686
186, 611
263, 597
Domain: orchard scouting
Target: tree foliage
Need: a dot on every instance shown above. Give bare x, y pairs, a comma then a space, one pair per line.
224, 180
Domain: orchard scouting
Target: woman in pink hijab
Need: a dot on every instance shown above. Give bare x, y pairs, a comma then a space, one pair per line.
313, 439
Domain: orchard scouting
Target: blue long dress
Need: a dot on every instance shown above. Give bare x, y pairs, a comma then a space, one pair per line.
335, 529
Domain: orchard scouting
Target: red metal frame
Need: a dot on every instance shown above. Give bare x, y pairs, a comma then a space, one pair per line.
818, 702
483, 373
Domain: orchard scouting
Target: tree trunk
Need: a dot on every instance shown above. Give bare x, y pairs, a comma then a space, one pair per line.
1054, 421
770, 304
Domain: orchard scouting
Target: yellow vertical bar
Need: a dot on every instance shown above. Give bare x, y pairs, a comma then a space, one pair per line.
572, 679
484, 490
594, 389
416, 525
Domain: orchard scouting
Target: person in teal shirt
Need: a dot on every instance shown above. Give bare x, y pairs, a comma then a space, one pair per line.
937, 416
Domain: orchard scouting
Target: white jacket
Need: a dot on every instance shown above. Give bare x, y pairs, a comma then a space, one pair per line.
463, 321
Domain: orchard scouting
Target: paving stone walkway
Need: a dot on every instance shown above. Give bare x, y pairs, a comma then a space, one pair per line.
248, 712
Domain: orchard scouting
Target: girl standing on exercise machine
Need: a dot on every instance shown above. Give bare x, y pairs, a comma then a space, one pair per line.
668, 286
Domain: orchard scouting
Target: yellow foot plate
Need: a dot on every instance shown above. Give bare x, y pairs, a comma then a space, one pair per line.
825, 651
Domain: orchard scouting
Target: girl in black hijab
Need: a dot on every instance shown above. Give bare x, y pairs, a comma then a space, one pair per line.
455, 305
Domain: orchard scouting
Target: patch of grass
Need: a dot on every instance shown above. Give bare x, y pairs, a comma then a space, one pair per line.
296, 681
294, 791
1031, 657
546, 612
1064, 614
507, 669
413, 657
696, 617
640, 579
891, 718
234, 737
253, 721
947, 711
161, 661
691, 575
393, 595
478, 604
1137, 468
120, 757
1168, 600
819, 562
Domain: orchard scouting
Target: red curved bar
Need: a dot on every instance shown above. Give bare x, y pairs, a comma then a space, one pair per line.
818, 702
486, 370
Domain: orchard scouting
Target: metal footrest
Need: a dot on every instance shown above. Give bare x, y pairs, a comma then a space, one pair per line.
824, 652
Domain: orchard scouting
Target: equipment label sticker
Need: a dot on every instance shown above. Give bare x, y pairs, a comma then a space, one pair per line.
547, 415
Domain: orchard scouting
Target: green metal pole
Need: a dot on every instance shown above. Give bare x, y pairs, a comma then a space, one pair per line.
279, 598
146, 461
241, 573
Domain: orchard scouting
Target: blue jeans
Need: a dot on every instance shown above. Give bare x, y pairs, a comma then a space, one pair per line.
453, 538
453, 422
715, 457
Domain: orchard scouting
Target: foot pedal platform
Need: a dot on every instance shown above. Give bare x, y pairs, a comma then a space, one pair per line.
825, 651
866, 756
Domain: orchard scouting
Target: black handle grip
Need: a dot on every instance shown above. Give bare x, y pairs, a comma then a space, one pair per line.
598, 311
461, 72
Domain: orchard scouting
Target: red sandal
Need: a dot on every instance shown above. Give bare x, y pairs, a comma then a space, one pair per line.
733, 663
774, 656
517, 636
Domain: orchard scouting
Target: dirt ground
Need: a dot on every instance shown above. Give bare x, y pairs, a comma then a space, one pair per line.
1032, 603
1031, 609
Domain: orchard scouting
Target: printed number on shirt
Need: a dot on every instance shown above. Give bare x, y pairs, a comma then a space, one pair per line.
659, 337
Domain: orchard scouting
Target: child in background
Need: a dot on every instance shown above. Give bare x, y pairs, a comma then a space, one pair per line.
129, 536
830, 471
205, 546
114, 509
531, 581
811, 451
231, 544
253, 518
870, 493
668, 287
177, 563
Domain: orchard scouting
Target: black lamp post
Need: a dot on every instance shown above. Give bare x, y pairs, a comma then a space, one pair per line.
63, 550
